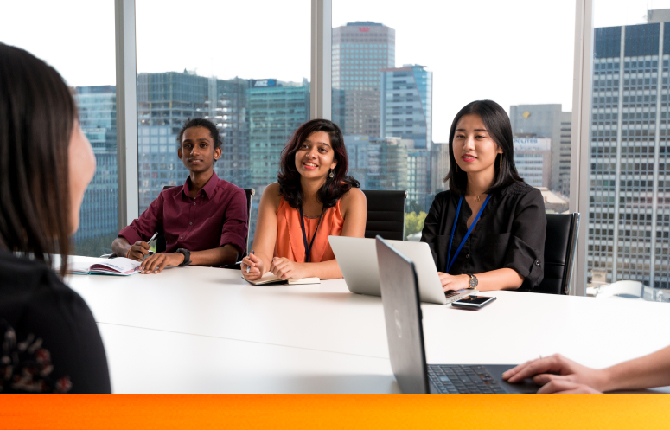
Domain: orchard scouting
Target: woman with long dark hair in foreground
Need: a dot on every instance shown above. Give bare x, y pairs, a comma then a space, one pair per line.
50, 342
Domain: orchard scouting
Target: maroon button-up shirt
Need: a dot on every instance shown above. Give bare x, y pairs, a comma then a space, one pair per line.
215, 217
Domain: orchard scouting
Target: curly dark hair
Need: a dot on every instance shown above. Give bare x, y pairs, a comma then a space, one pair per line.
499, 128
202, 122
289, 179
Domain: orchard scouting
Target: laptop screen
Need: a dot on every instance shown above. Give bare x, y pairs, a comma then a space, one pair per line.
404, 331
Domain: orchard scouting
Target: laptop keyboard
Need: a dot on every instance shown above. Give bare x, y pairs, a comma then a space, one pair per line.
460, 379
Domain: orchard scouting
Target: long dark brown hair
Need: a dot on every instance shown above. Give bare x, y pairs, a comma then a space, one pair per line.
37, 114
497, 124
289, 178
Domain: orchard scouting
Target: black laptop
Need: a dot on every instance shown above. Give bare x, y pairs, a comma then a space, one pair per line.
404, 331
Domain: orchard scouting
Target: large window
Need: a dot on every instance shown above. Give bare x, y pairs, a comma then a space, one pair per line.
400, 73
76, 37
234, 63
629, 186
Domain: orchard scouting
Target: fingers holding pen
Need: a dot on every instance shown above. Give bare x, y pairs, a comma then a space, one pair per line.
138, 250
251, 267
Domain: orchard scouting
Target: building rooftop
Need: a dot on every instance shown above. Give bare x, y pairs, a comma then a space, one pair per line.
365, 24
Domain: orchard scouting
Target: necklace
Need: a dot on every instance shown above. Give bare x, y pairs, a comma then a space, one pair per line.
478, 199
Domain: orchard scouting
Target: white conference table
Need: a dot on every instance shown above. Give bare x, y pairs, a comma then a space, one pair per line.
206, 330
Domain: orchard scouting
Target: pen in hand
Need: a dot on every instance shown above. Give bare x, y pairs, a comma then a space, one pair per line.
151, 240
249, 267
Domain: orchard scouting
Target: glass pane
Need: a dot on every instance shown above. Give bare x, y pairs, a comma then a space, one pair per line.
398, 82
80, 45
629, 219
210, 60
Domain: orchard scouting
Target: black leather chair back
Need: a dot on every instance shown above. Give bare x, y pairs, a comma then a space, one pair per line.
559, 253
161, 246
249, 192
386, 214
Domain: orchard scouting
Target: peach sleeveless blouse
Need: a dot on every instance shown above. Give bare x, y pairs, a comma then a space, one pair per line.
289, 234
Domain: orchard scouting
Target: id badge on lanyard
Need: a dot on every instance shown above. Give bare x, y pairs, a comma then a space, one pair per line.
450, 261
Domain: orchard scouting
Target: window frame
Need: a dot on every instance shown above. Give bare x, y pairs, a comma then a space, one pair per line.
320, 107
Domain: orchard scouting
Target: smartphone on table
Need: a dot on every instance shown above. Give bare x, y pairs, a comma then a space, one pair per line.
472, 302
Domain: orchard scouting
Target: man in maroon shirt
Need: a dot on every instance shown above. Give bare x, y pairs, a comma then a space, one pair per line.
204, 222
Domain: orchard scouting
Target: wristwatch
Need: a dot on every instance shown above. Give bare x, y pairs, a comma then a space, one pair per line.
187, 256
473, 281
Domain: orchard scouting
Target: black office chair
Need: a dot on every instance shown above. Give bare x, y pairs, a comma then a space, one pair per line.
559, 253
249, 192
386, 214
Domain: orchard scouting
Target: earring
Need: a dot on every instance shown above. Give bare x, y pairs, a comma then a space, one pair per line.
331, 174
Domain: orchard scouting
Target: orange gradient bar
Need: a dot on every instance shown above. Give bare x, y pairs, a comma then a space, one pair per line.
335, 411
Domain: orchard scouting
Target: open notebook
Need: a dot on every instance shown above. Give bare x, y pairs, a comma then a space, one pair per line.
270, 278
117, 266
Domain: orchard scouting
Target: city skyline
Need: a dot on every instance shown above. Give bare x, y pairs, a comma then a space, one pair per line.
528, 63
423, 42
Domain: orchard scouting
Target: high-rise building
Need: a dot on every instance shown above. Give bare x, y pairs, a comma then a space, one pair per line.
387, 164
629, 220
98, 214
276, 109
439, 167
357, 155
418, 179
560, 167
406, 104
230, 117
547, 121
532, 158
360, 51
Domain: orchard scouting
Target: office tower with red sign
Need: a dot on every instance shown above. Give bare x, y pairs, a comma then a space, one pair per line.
360, 51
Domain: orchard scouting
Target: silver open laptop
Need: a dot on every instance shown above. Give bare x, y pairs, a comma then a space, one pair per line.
357, 258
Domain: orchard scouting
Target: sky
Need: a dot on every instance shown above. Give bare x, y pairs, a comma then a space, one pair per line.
513, 51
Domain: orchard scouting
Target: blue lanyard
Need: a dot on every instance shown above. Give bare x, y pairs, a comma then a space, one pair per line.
308, 247
450, 261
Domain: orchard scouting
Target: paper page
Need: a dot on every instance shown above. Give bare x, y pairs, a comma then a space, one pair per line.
119, 265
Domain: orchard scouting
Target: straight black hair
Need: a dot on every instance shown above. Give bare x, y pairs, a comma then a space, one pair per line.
497, 124
37, 113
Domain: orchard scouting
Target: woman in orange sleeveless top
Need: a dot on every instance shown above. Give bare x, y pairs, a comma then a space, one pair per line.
312, 198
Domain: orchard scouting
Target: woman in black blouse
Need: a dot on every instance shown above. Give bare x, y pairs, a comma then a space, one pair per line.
49, 341
488, 230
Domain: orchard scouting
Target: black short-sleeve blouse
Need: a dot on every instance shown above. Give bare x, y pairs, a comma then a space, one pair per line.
510, 233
